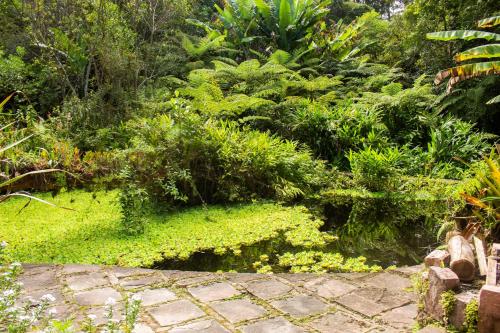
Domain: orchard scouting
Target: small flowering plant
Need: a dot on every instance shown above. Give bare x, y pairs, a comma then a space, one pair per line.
36, 315
125, 324
16, 317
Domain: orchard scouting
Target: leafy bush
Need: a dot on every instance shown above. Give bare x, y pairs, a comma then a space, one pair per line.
453, 144
182, 158
376, 170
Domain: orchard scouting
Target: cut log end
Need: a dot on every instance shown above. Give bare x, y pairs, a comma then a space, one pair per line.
464, 269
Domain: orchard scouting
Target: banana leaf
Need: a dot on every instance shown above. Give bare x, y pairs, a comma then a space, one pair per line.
483, 51
464, 72
494, 100
463, 34
489, 22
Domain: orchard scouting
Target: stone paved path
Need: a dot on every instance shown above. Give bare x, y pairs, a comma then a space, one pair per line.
188, 302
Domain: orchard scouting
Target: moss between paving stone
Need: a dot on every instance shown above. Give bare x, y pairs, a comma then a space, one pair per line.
91, 234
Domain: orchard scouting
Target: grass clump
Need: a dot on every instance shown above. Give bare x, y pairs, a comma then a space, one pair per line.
92, 233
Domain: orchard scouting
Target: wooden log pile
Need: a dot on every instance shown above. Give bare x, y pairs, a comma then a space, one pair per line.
468, 259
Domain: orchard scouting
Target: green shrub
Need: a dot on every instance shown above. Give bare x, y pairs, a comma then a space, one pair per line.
185, 159
376, 170
133, 202
453, 144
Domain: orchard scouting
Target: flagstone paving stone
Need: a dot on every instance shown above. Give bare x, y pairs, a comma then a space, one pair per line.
191, 302
268, 289
176, 312
301, 306
239, 310
213, 292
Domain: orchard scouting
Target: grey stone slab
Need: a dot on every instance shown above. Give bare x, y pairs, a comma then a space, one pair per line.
205, 326
298, 278
432, 329
141, 282
78, 269
402, 317
267, 289
275, 325
156, 296
34, 296
97, 296
86, 281
339, 322
329, 288
371, 301
300, 306
353, 276
355, 302
175, 312
30, 269
239, 310
196, 280
142, 328
45, 280
123, 272
389, 281
63, 312
101, 314
213, 292
410, 270
244, 277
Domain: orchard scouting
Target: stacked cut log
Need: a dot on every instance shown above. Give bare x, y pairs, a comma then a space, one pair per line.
461, 260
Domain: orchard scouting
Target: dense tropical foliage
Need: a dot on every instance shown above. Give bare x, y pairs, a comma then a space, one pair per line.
263, 104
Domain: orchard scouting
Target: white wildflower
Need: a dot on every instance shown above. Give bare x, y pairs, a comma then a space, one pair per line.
48, 298
92, 317
24, 318
110, 301
52, 311
3, 244
8, 293
136, 297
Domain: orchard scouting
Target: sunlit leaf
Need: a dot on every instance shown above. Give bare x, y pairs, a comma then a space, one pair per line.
2, 149
464, 72
463, 34
15, 179
489, 22
494, 100
2, 103
483, 51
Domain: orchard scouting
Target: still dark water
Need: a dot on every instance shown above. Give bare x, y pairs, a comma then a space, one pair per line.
387, 231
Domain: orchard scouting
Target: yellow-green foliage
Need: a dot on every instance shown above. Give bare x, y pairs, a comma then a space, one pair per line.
321, 262
471, 316
448, 303
92, 233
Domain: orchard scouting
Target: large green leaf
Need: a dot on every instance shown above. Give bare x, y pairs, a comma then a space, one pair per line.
2, 149
463, 34
464, 72
489, 22
483, 51
17, 178
2, 103
494, 100
285, 15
